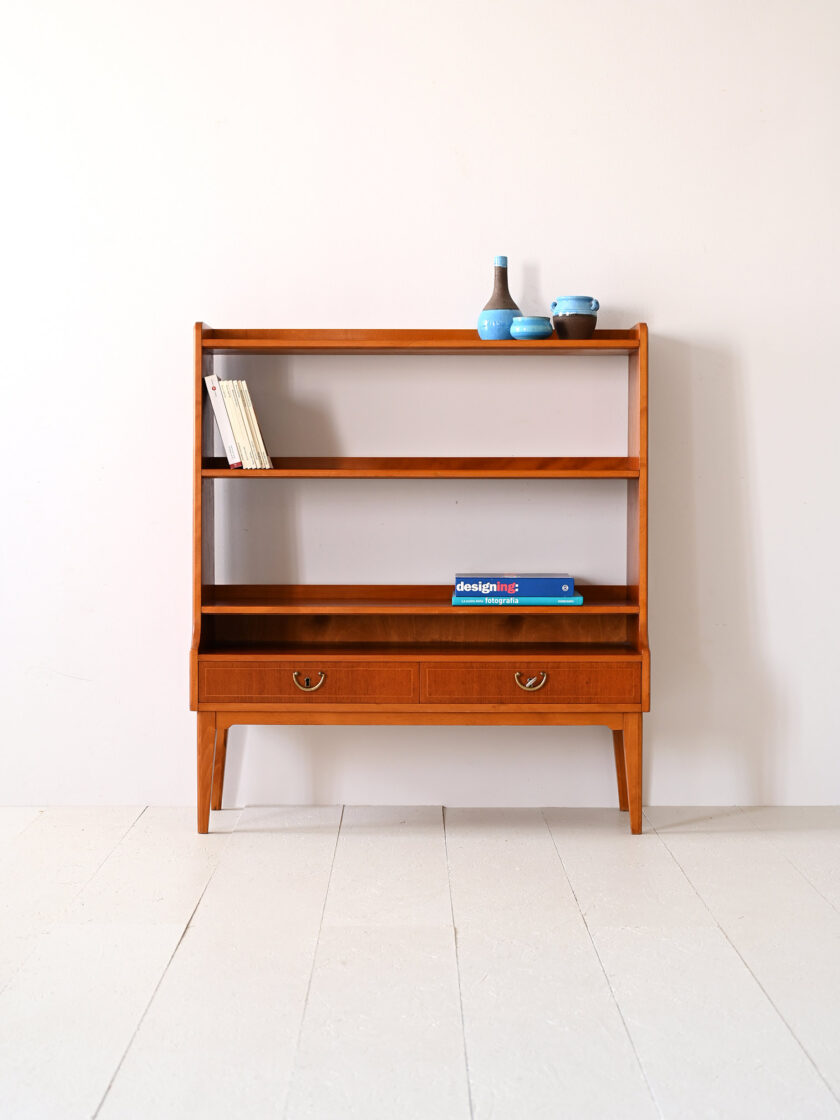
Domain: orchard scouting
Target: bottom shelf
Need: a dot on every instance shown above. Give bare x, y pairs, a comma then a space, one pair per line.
458, 633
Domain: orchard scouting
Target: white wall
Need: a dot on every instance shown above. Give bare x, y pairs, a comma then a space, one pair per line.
277, 164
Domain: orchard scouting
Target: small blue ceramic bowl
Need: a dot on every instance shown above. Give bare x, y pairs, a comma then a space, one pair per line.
526, 327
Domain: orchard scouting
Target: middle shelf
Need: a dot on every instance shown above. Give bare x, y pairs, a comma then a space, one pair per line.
432, 467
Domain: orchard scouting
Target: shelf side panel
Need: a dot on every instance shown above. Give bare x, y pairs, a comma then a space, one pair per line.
637, 490
203, 499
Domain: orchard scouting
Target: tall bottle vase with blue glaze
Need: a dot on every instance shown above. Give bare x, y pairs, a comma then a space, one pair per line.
500, 310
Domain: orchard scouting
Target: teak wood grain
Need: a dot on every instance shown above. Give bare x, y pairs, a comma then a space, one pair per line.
428, 467
389, 599
565, 682
421, 717
427, 652
633, 767
406, 342
458, 629
205, 753
404, 655
339, 682
613, 684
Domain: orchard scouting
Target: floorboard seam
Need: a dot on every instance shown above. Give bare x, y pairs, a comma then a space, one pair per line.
39, 809
156, 989
768, 833
312, 969
743, 961
70, 902
810, 882
457, 966
642, 1071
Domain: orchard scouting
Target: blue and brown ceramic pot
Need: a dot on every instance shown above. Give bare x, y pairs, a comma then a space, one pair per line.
574, 316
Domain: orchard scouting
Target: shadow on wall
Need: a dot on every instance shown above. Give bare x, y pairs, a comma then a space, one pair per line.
285, 417
287, 420
717, 719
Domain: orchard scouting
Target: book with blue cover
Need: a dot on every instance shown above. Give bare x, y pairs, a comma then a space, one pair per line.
477, 585
517, 600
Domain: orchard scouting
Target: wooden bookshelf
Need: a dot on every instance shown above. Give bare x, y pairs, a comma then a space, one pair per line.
392, 654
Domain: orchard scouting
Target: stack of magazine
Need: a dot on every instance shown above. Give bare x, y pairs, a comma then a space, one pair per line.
515, 589
237, 424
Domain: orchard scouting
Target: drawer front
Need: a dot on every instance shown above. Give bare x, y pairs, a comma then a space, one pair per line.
324, 682
558, 682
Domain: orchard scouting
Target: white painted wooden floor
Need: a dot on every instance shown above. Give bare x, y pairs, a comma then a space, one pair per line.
382, 962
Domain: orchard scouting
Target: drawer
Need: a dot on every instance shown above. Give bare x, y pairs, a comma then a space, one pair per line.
566, 682
341, 682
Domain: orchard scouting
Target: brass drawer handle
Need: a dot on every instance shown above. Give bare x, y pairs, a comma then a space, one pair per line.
531, 684
306, 686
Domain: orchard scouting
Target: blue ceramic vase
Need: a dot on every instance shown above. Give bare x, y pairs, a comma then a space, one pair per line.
500, 310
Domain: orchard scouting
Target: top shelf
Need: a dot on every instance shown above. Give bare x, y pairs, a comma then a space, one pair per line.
224, 341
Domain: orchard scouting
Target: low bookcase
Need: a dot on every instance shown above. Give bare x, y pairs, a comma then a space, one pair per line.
389, 654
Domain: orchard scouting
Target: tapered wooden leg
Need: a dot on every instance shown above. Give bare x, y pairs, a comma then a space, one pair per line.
620, 770
206, 743
219, 768
633, 765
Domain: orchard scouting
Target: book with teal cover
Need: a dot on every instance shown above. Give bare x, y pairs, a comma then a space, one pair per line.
517, 600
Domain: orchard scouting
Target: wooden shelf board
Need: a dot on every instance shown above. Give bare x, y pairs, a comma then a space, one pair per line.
432, 467
386, 599
428, 651
223, 340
